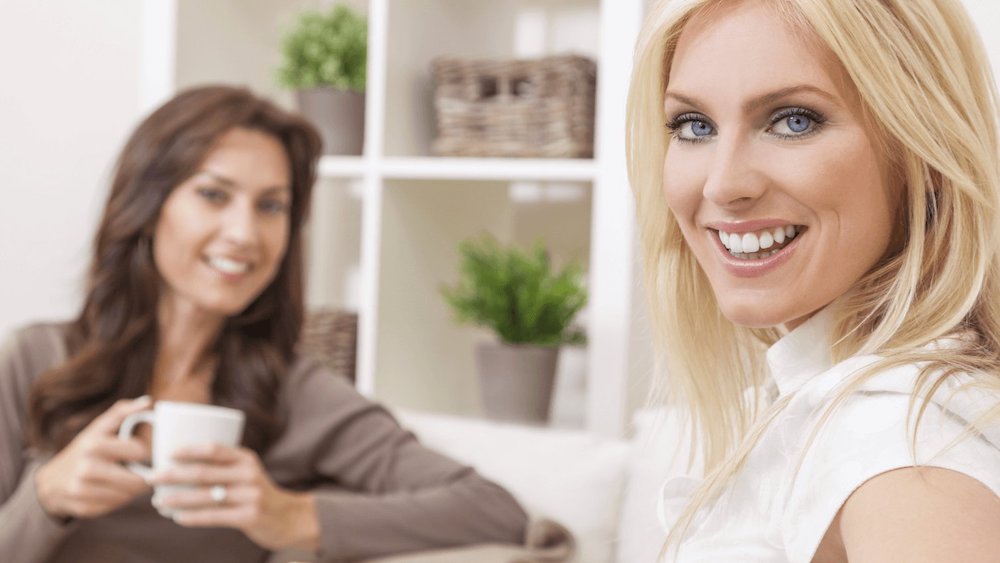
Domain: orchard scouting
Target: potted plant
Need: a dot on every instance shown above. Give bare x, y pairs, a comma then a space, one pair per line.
325, 61
530, 308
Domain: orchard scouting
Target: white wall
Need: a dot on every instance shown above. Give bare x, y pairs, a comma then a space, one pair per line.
69, 97
986, 14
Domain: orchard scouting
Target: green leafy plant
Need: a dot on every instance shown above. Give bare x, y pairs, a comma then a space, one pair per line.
517, 294
326, 49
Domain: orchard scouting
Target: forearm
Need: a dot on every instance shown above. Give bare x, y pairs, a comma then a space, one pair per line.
466, 512
27, 532
394, 494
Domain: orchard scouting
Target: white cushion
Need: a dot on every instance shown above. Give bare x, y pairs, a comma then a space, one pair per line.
573, 477
660, 451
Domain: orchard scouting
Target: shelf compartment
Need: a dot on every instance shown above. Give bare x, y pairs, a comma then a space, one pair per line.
234, 42
419, 32
333, 245
424, 359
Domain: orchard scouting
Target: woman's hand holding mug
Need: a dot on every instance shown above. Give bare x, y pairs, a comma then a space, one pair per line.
204, 479
229, 487
86, 479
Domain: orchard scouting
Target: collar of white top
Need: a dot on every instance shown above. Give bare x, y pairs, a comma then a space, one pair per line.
802, 354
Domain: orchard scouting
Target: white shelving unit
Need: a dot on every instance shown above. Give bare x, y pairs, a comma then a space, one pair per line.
442, 168
386, 225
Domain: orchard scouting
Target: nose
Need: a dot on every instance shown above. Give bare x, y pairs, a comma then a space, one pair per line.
735, 177
239, 226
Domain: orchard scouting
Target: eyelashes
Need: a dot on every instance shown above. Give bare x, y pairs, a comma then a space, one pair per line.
219, 197
789, 123
690, 127
800, 122
683, 118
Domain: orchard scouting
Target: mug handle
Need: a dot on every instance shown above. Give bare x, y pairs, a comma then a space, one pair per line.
125, 432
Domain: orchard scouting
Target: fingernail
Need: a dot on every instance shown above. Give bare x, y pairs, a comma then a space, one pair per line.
143, 399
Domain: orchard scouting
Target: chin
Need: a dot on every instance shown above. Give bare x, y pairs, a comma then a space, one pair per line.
226, 308
754, 315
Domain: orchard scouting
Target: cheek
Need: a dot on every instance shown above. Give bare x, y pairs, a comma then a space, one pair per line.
856, 188
283, 236
170, 255
682, 186
277, 237
851, 196
876, 213
173, 234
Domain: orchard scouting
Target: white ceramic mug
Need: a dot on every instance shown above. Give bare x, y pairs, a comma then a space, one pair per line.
179, 425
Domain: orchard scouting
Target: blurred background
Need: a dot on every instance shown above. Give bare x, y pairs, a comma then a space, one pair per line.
386, 225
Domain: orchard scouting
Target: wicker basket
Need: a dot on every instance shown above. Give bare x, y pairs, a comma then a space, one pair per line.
527, 108
331, 336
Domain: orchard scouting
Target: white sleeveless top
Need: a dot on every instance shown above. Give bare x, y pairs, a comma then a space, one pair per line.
770, 514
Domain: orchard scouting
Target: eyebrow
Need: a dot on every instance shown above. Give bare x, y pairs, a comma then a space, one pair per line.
230, 183
764, 99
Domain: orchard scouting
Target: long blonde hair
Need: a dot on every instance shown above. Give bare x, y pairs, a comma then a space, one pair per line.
925, 81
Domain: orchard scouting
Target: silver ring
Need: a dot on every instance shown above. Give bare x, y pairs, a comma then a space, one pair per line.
219, 494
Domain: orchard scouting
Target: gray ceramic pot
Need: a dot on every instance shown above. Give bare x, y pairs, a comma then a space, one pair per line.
516, 381
339, 115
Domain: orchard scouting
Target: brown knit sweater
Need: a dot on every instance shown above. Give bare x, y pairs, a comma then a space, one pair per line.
378, 491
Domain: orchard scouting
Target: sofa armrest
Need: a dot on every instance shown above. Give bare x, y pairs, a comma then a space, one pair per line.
572, 477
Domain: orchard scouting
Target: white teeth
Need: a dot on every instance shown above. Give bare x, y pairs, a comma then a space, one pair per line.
735, 244
766, 240
779, 235
750, 245
227, 266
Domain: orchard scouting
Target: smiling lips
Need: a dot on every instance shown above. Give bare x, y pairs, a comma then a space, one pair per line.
759, 244
228, 266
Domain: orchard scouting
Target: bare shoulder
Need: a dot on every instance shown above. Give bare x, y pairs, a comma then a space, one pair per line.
917, 514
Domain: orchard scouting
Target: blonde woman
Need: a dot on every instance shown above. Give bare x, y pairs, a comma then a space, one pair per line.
818, 193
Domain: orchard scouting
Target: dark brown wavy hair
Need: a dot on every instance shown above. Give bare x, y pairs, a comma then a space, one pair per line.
114, 342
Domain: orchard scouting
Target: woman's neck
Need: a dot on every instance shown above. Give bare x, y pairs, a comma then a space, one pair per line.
186, 338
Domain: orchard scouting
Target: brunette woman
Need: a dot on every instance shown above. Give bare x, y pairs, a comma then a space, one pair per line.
195, 294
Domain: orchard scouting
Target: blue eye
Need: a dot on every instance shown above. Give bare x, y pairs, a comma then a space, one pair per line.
691, 127
700, 128
795, 122
798, 123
